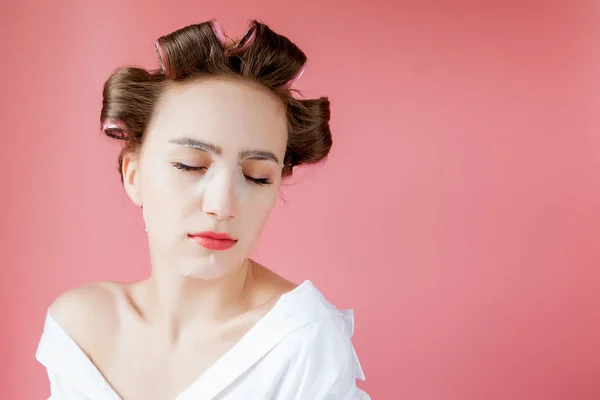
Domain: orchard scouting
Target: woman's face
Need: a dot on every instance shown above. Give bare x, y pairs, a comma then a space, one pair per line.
211, 162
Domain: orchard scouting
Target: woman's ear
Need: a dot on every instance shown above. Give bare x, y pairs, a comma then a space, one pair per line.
131, 181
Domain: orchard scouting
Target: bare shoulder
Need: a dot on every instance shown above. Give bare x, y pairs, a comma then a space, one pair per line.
87, 311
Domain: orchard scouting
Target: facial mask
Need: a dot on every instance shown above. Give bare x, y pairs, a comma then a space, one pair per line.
221, 182
219, 176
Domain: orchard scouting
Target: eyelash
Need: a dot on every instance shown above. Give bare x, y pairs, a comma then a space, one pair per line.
257, 181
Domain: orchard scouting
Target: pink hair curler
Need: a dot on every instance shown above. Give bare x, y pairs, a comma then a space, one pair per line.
247, 39
295, 78
218, 30
162, 58
115, 129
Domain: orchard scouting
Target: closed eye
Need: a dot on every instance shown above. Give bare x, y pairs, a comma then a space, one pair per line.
184, 167
256, 181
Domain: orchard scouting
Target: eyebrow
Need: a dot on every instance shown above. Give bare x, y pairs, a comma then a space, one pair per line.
198, 144
251, 154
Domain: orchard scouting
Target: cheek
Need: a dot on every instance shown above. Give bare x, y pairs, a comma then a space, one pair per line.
162, 181
255, 212
164, 194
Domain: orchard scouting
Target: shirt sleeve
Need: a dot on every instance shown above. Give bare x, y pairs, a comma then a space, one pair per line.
61, 391
326, 366
354, 394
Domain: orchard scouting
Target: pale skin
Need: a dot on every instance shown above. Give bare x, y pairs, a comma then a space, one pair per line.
151, 339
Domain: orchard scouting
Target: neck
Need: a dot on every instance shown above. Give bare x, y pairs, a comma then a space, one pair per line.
172, 301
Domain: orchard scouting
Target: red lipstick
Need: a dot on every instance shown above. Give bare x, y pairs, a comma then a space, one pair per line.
213, 240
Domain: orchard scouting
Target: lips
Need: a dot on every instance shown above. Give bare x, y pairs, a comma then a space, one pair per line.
213, 240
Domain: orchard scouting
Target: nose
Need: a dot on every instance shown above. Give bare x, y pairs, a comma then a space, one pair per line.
220, 197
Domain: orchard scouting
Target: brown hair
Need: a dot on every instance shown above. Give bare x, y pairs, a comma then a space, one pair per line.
261, 55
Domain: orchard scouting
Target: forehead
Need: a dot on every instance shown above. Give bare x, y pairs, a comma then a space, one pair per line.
226, 111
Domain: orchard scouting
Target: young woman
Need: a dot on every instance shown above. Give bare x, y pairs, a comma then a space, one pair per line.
207, 140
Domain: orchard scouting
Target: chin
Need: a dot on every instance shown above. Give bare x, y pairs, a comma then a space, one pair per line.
209, 266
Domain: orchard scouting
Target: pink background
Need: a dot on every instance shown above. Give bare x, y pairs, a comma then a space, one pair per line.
458, 214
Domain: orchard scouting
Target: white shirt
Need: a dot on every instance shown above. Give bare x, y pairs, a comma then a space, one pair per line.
300, 350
